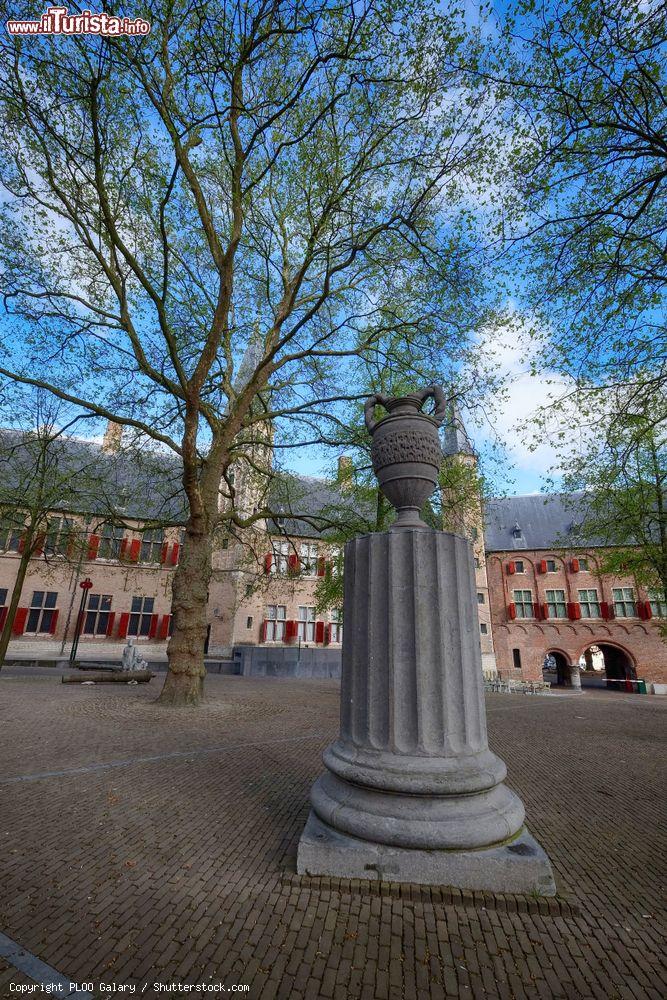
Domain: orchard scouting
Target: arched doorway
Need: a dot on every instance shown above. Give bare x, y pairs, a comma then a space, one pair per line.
556, 669
607, 666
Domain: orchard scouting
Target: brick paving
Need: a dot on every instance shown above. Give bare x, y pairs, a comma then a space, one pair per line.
141, 845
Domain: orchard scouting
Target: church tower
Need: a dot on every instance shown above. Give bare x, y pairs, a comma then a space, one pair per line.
462, 513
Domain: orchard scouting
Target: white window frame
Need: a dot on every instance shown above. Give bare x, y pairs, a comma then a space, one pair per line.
556, 603
142, 610
101, 611
275, 616
40, 615
624, 601
281, 553
552, 565
521, 604
309, 557
590, 606
658, 604
519, 566
152, 540
306, 624
335, 625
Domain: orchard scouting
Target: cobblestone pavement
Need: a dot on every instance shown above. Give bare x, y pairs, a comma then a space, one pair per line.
143, 845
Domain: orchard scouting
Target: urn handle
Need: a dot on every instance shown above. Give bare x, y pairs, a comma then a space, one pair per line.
436, 393
369, 407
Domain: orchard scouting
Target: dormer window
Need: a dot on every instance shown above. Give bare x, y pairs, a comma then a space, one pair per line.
516, 530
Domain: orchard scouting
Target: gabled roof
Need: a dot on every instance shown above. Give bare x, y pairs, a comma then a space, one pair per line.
142, 485
537, 521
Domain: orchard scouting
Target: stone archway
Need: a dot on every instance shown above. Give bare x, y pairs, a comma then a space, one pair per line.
619, 668
556, 668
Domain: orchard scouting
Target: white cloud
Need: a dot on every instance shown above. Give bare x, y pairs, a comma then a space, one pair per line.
514, 416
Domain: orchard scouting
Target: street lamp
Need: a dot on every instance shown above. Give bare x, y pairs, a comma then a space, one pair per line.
85, 587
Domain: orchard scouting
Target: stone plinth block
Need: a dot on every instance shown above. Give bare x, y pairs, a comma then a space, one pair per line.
411, 788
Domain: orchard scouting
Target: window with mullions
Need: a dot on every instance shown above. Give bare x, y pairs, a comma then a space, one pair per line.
656, 598
151, 545
556, 604
42, 607
141, 612
275, 622
590, 605
97, 615
59, 535
309, 558
110, 541
624, 602
523, 600
10, 534
281, 553
306, 624
335, 625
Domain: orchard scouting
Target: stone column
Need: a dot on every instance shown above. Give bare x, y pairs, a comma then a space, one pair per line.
575, 679
412, 792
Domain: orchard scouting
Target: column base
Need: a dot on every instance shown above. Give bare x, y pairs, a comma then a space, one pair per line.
518, 866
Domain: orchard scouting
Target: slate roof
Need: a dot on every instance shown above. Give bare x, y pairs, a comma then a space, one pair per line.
141, 486
537, 521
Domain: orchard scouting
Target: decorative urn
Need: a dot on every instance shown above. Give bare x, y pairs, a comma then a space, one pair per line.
406, 451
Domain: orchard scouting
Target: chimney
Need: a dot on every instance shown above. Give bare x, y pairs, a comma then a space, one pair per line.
113, 438
345, 470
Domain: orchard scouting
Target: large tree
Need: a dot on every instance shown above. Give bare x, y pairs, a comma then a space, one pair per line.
282, 181
585, 216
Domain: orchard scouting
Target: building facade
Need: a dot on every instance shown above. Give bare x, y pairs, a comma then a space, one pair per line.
540, 601
551, 601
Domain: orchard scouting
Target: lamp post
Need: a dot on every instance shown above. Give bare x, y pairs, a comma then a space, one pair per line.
85, 587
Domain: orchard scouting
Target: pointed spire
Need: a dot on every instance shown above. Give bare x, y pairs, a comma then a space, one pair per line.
456, 440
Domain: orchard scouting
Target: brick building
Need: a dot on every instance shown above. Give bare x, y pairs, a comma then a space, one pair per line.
550, 599
537, 596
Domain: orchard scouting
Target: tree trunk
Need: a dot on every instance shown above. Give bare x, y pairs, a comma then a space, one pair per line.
14, 603
184, 684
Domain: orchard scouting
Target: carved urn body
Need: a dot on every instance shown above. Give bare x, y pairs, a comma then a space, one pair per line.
406, 452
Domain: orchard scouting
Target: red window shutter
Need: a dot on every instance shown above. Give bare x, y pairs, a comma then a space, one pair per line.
542, 566
163, 552
3, 617
574, 565
93, 546
21, 546
18, 628
327, 635
577, 610
319, 631
175, 552
545, 611
574, 611
648, 611
111, 620
537, 610
511, 568
153, 626
604, 609
293, 563
262, 631
38, 547
511, 610
321, 566
268, 562
135, 549
123, 624
123, 549
54, 622
164, 627
291, 630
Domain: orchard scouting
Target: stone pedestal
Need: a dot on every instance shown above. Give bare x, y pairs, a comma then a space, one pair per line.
412, 792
